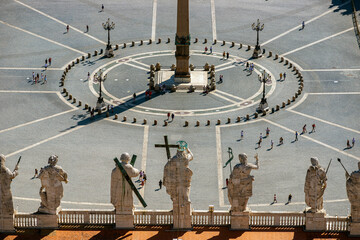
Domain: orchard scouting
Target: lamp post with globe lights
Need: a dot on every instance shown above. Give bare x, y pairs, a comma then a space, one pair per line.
109, 26
257, 27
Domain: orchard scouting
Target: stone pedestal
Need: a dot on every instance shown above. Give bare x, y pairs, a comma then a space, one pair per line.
315, 221
109, 52
240, 220
7, 223
354, 229
182, 216
263, 107
124, 221
257, 52
47, 221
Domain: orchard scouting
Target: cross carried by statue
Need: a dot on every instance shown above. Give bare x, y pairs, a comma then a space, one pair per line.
128, 179
167, 146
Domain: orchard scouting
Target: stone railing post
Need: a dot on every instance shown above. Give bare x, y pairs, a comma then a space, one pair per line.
87, 217
240, 220
315, 221
7, 223
124, 220
47, 221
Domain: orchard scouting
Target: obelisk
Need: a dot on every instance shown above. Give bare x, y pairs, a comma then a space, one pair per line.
182, 42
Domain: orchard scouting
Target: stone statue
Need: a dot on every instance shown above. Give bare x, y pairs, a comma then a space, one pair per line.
177, 179
240, 183
315, 185
121, 192
353, 192
6, 176
51, 190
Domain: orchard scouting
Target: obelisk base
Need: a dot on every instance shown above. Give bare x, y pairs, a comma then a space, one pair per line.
240, 220
7, 223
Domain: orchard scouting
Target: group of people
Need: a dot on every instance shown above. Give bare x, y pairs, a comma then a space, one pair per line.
206, 49
36, 78
142, 178
172, 115
250, 67
352, 143
282, 76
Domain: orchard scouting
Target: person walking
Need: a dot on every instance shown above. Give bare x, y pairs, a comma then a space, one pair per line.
87, 28
284, 75
67, 28
46, 61
36, 173
259, 143
168, 116
88, 76
313, 127
348, 144
49, 61
302, 25
353, 142
45, 79
227, 55
247, 65
160, 184
134, 96
37, 78
304, 129
281, 141
275, 200
172, 116
224, 55
289, 198
210, 49
206, 49
102, 7
242, 134
296, 135
267, 131
42, 77
33, 75
271, 144
280, 76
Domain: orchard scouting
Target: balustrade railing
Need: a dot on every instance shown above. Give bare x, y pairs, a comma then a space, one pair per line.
276, 219
23, 220
337, 224
207, 218
94, 217
153, 217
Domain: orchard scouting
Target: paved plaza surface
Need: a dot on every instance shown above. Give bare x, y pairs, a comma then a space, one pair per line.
38, 120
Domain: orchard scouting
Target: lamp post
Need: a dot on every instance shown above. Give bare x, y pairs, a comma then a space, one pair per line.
109, 26
263, 106
257, 27
100, 78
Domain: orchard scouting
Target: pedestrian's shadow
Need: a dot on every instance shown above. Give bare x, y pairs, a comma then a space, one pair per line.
257, 148
65, 33
269, 149
293, 141
279, 145
287, 203
347, 148
272, 203
157, 189
239, 140
224, 187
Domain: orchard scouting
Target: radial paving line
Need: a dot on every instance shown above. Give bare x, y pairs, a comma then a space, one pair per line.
316, 42
135, 66
140, 63
313, 140
57, 20
225, 98
230, 95
37, 69
213, 19
331, 70
306, 22
45, 140
153, 26
44, 38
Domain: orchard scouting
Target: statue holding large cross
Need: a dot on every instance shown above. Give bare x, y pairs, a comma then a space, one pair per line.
177, 179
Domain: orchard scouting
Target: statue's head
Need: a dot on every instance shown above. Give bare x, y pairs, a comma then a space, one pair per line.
53, 159
243, 158
314, 161
125, 157
2, 159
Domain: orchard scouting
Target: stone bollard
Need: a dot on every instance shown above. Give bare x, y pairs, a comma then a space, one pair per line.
208, 123
150, 41
290, 65
281, 59
276, 56
299, 92
77, 60
228, 120
205, 41
155, 122
283, 104
240, 45
296, 95
74, 100
196, 40
293, 99
212, 68
134, 120
141, 42
277, 107
70, 97
62, 84
64, 90
95, 53
286, 62
263, 52
168, 41
263, 113
116, 117
206, 67
89, 55
132, 44
215, 41
159, 40
107, 114
270, 54
72, 63
165, 123
66, 94
101, 51
124, 46
249, 47
86, 106
82, 58
238, 119
145, 121
186, 124
99, 111
256, 115
272, 110
232, 44
116, 46
173, 67
197, 124
157, 67
247, 117
288, 102
218, 122
152, 67
294, 68
192, 67
124, 119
